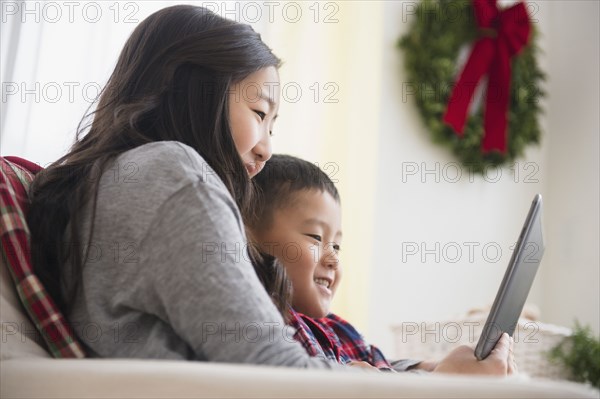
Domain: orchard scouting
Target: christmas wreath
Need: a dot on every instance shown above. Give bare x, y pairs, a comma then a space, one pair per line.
503, 52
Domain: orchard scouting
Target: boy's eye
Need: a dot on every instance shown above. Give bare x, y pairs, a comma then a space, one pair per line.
261, 114
315, 236
336, 247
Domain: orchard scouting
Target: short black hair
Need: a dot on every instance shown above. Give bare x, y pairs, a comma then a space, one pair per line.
282, 177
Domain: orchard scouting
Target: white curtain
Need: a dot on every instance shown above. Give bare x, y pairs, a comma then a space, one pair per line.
63, 54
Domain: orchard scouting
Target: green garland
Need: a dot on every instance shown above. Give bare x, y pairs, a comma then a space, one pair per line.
431, 48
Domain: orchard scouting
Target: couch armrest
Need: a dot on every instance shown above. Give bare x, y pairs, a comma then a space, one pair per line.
124, 378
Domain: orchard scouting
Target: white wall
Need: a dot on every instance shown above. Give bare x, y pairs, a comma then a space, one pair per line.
430, 208
571, 271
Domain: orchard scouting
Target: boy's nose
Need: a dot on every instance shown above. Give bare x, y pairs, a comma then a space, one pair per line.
333, 265
331, 259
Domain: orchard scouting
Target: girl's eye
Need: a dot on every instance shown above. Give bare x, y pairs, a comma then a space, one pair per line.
315, 236
336, 247
261, 114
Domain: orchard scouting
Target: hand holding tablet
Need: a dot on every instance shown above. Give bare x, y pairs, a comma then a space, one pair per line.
500, 362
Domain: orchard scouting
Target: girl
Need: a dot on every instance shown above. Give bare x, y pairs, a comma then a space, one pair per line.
138, 231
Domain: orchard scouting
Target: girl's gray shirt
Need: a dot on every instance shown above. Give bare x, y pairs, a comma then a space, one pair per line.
168, 275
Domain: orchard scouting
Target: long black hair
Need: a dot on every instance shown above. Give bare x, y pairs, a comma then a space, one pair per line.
171, 82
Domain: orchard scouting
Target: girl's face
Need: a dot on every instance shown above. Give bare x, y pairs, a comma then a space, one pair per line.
253, 107
305, 237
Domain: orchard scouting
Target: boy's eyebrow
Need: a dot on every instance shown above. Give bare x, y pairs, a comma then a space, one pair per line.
315, 221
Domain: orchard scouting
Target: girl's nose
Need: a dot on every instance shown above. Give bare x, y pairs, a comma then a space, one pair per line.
263, 150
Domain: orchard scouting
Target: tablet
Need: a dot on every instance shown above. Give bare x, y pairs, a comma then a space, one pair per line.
516, 283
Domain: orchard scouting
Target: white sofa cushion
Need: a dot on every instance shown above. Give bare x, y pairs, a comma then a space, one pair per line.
119, 378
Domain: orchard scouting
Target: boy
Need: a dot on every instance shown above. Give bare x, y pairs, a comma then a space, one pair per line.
298, 222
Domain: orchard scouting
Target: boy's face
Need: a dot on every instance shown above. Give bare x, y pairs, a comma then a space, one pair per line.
305, 236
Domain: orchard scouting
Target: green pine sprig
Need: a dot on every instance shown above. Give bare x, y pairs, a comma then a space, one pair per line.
580, 354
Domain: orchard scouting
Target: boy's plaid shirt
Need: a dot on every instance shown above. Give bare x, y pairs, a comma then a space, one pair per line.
334, 338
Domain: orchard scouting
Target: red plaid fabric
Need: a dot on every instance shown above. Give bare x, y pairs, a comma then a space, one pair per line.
15, 177
334, 338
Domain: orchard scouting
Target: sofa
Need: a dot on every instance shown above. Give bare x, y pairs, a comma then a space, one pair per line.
29, 367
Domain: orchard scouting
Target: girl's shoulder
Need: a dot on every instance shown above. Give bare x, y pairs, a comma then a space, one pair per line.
141, 183
169, 162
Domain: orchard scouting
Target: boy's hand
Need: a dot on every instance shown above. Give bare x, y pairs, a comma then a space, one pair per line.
427, 365
500, 362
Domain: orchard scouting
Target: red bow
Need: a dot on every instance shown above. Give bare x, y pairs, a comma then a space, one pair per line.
510, 30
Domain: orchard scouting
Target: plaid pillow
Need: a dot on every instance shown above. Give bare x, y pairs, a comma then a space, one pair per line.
15, 177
